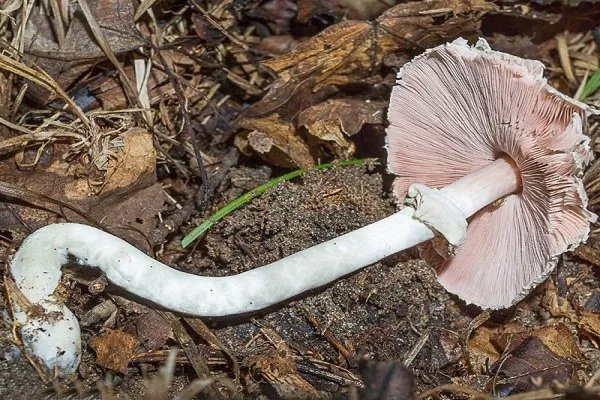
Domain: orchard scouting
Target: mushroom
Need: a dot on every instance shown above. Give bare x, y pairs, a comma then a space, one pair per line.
460, 108
461, 137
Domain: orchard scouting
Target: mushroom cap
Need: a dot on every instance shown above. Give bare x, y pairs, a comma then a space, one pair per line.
457, 108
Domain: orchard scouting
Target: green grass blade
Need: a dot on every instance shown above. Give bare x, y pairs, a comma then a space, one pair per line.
591, 85
247, 197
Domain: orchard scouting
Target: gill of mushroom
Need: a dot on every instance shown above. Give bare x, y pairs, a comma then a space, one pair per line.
50, 331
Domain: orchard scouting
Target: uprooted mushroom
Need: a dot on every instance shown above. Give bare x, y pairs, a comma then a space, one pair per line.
474, 134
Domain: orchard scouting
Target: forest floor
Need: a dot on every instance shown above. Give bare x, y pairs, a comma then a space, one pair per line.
148, 118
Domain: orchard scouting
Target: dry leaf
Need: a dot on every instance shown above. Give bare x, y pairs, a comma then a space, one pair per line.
558, 338
557, 306
135, 161
279, 372
362, 9
307, 9
351, 50
589, 324
482, 351
529, 366
277, 44
79, 52
277, 14
276, 141
114, 349
125, 194
153, 330
334, 120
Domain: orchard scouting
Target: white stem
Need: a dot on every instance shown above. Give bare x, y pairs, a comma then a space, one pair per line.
36, 269
484, 186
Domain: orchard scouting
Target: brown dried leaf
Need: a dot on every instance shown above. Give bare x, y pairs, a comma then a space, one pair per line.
589, 324
556, 305
137, 159
205, 30
529, 366
350, 50
276, 141
108, 93
131, 197
80, 51
558, 338
132, 216
346, 115
280, 373
277, 44
336, 119
306, 9
518, 45
278, 14
152, 330
362, 9
482, 351
114, 349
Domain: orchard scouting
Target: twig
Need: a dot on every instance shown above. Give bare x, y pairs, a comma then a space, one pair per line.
191, 351
474, 324
414, 351
331, 338
200, 328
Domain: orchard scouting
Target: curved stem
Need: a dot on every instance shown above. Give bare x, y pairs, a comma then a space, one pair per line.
54, 337
40, 257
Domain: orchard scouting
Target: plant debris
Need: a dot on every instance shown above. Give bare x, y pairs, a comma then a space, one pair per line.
114, 349
531, 365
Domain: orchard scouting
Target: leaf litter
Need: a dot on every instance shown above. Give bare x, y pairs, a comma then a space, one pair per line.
114, 112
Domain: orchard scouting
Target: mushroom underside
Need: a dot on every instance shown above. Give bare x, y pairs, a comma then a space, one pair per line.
460, 108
